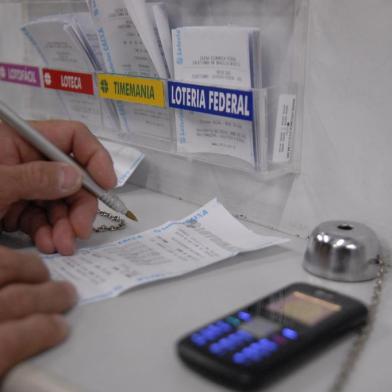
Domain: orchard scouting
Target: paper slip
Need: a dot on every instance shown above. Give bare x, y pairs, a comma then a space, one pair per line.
163, 32
121, 44
125, 160
143, 18
125, 53
222, 56
284, 128
84, 29
66, 42
175, 248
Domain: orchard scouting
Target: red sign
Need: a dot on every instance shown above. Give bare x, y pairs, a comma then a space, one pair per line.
75, 82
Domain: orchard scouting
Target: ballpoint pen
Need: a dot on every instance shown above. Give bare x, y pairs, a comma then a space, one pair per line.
27, 132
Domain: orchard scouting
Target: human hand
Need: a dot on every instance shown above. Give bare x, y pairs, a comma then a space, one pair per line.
30, 308
44, 199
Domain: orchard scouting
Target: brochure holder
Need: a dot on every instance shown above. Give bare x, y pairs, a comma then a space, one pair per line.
277, 106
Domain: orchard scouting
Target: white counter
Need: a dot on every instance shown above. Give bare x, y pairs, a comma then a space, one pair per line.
128, 343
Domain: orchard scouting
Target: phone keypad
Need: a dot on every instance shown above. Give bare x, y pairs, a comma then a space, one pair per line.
242, 339
211, 332
230, 342
255, 352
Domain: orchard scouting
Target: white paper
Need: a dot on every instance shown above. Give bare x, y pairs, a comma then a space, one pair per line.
216, 55
87, 35
284, 128
205, 237
143, 18
58, 39
125, 53
125, 160
163, 32
220, 56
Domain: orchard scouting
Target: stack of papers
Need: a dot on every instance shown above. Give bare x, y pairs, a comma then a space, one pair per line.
152, 24
133, 38
225, 56
69, 41
175, 248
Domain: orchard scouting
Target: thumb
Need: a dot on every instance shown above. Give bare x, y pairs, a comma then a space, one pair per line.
38, 180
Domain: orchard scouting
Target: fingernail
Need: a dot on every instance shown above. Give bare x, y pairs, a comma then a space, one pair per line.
70, 178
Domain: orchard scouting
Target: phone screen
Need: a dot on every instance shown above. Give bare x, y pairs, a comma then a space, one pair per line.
303, 307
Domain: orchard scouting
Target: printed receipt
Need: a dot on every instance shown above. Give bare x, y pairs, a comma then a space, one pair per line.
205, 237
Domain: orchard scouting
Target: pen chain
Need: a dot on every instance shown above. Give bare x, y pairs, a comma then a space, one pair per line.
119, 223
364, 334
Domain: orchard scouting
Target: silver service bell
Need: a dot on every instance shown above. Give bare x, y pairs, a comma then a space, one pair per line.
345, 251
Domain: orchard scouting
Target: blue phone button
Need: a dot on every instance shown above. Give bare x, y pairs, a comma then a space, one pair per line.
198, 339
255, 352
224, 326
240, 358
244, 316
289, 333
216, 349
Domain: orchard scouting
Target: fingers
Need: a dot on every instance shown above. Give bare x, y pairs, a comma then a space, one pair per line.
50, 228
29, 308
33, 221
21, 267
21, 339
63, 234
38, 180
66, 223
41, 180
22, 300
74, 137
54, 226
11, 218
82, 212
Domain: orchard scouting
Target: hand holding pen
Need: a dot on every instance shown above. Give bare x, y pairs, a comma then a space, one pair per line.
46, 199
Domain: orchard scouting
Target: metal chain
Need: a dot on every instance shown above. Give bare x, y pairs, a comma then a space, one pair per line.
120, 222
363, 336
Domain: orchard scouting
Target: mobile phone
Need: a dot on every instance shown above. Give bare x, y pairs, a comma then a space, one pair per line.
245, 348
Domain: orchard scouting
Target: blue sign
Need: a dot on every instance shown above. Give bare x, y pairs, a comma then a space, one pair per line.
212, 100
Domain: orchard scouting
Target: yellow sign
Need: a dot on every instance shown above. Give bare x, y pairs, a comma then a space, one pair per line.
131, 89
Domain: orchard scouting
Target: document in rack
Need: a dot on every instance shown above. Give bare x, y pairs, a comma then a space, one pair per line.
142, 16
126, 53
226, 56
205, 237
284, 128
67, 42
163, 33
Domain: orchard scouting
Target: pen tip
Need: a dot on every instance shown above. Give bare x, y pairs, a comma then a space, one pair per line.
130, 215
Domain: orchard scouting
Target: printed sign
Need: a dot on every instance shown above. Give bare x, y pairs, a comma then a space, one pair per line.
131, 89
212, 100
21, 74
75, 82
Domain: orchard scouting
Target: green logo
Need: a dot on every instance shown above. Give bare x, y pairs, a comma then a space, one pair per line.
104, 86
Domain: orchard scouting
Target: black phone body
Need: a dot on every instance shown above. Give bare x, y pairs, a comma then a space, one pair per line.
244, 348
